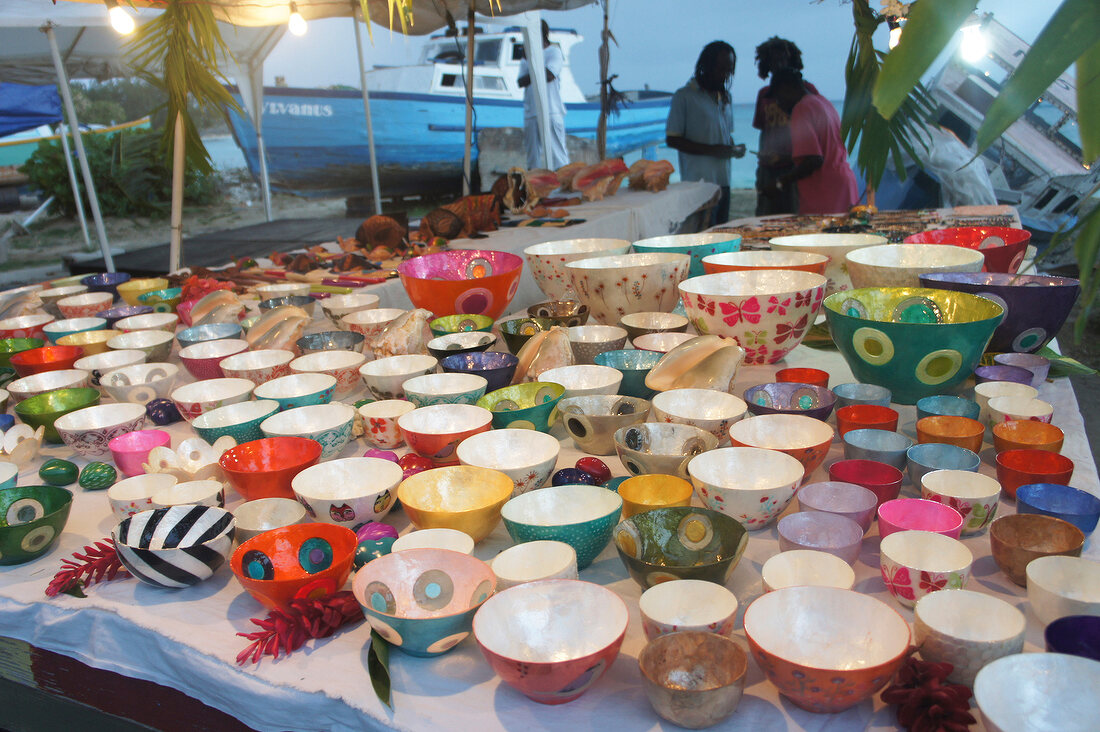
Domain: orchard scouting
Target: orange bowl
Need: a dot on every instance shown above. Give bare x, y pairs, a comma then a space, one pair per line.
474, 281
951, 430
264, 468
1025, 434
748, 260
47, 358
805, 439
301, 561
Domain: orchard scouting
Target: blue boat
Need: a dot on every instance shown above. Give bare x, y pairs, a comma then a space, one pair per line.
316, 139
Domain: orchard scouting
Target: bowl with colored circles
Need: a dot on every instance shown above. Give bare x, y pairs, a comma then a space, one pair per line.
43, 410
477, 281
917, 342
460, 323
592, 421
787, 397
681, 542
460, 497
31, 520
582, 516
162, 301
548, 259
33, 326
663, 448
615, 286
697, 246
1002, 247
524, 406
300, 561
565, 313
517, 331
495, 367
175, 547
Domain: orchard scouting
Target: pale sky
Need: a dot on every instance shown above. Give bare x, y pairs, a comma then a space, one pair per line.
659, 41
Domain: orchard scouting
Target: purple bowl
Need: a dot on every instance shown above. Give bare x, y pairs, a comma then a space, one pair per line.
497, 367
824, 532
843, 499
1077, 635
122, 311
997, 372
105, 282
1035, 306
788, 397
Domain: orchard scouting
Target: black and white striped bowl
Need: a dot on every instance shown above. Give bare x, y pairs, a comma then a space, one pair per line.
175, 547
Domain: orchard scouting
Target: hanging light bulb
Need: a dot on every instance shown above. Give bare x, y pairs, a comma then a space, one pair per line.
120, 19
895, 30
296, 24
973, 46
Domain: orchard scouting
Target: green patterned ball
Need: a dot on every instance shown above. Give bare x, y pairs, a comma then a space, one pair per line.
97, 476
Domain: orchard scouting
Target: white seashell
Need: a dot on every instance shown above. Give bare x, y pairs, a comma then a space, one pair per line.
16, 434
220, 306
407, 334
23, 447
278, 328
162, 460
706, 362
543, 351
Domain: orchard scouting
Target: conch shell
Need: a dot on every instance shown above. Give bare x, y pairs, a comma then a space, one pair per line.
408, 333
545, 350
278, 328
219, 306
706, 362
194, 459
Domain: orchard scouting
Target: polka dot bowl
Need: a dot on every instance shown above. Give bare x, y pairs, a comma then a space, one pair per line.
914, 341
524, 406
31, 520
582, 516
475, 281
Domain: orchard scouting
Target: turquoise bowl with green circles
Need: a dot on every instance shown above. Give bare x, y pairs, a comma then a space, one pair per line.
31, 519
531, 406
582, 516
915, 341
162, 301
42, 410
461, 323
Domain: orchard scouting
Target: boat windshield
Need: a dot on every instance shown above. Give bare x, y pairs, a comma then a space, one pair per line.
453, 51
1057, 124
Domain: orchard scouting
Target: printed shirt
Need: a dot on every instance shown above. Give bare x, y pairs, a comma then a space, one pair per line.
698, 115
775, 136
554, 60
815, 130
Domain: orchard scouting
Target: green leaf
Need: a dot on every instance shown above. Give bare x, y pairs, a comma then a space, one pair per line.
75, 589
1088, 101
378, 666
1064, 365
1072, 30
930, 27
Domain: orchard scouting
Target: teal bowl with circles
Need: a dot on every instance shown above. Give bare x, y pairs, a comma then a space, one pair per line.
241, 421
42, 410
11, 346
162, 301
31, 520
696, 246
582, 516
635, 366
916, 342
532, 406
461, 323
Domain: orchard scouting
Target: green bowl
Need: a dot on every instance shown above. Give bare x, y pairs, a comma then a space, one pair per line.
914, 341
31, 520
43, 410
162, 301
680, 543
461, 323
11, 346
518, 331
635, 365
532, 406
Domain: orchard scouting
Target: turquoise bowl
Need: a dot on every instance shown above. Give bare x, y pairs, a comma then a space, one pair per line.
697, 246
583, 516
532, 406
162, 301
635, 366
298, 390
60, 328
241, 421
947, 406
915, 341
31, 520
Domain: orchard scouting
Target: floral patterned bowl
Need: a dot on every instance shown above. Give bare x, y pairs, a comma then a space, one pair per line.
460, 497
328, 424
435, 431
349, 492
914, 563
259, 367
680, 542
805, 439
612, 287
548, 259
768, 312
344, 365
751, 484
89, 430
85, 305
526, 456
973, 495
476, 281
203, 360
707, 409
385, 376
687, 605
201, 396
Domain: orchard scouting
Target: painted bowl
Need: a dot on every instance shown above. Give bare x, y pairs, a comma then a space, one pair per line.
1039, 366
11, 346
1016, 468
51, 295
805, 439
824, 648
476, 281
201, 396
305, 302
856, 393
557, 662
1002, 247
533, 561
661, 342
90, 342
648, 492
203, 360
526, 456
680, 542
1012, 409
1038, 691
640, 324
455, 388
163, 301
385, 376
208, 332
495, 367
148, 321
518, 331
1002, 372
132, 289
765, 259
370, 323
582, 516
85, 305
878, 445
803, 375
380, 422
784, 397
547, 261
434, 432
1018, 539
191, 493
460, 323
331, 340
589, 341
175, 547
337, 306
459, 343
282, 289
328, 424
707, 409
524, 406
343, 365
566, 313
297, 390
818, 531
130, 451
460, 497
751, 484
900, 265
881, 479
449, 539
866, 417
923, 459
798, 567
29, 386
348, 492
1078, 635
422, 601
697, 246
950, 430
265, 468
264, 514
43, 410
1060, 586
918, 514
57, 329
687, 605
155, 343
102, 363
241, 421
592, 421
32, 518
834, 246
88, 431
47, 358
259, 367
967, 630
767, 312
135, 494
916, 563
844, 499
635, 366
584, 379
916, 342
661, 448
1076, 506
973, 495
944, 405
628, 283
106, 282
301, 561
1024, 434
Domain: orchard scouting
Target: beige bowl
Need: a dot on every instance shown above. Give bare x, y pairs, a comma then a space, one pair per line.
967, 630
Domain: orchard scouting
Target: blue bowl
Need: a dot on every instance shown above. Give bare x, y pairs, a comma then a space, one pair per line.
113, 315
497, 367
635, 366
856, 393
1060, 501
948, 406
209, 332
885, 447
105, 282
1077, 635
939, 456
58, 329
696, 246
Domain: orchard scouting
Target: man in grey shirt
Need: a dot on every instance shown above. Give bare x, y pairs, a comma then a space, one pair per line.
700, 123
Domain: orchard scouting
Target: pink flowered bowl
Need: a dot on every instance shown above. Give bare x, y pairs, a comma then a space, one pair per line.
201, 396
90, 430
260, 366
749, 484
548, 259
341, 365
973, 495
203, 360
914, 563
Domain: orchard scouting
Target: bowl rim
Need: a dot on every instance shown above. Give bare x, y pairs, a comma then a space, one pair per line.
580, 246
798, 557
606, 505
377, 481
754, 283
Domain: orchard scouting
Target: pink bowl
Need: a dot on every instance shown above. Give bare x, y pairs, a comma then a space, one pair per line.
844, 499
918, 514
131, 451
203, 360
881, 479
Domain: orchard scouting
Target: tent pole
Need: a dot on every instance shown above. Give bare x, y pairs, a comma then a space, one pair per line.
176, 242
77, 198
536, 59
469, 100
74, 124
375, 189
265, 182
256, 89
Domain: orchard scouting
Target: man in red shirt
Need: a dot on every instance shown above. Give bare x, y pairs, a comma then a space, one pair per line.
826, 184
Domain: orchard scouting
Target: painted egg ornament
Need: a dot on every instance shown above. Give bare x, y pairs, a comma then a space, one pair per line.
370, 549
572, 476
596, 468
58, 472
413, 464
163, 412
382, 454
6, 422
97, 476
375, 530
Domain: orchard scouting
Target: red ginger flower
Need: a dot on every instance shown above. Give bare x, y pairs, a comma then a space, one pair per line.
98, 563
287, 631
925, 702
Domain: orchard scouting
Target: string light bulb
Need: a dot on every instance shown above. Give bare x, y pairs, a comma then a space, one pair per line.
296, 24
120, 19
973, 46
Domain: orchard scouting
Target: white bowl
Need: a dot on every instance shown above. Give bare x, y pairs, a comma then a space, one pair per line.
707, 409
44, 381
687, 605
900, 265
191, 493
1039, 692
89, 430
385, 376
141, 382
264, 514
337, 306
532, 561
328, 424
833, 246
915, 563
156, 344
991, 389
527, 457
282, 289
134, 495
201, 396
1058, 586
348, 492
750, 484
614, 286
99, 364
149, 321
370, 323
968, 630
344, 365
806, 567
450, 539
1010, 408
258, 366
588, 341
661, 342
547, 261
445, 388
584, 379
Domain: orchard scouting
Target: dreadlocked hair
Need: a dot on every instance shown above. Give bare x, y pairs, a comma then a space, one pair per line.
708, 57
777, 53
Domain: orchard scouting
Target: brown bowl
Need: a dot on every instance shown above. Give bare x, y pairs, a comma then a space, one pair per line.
951, 430
565, 313
1018, 538
1026, 434
693, 679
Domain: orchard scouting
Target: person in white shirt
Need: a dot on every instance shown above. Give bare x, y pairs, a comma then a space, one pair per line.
554, 60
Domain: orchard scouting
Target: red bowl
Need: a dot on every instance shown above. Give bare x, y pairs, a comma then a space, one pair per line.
475, 281
1002, 247
264, 468
817, 377
1023, 467
917, 514
866, 417
301, 561
47, 358
881, 479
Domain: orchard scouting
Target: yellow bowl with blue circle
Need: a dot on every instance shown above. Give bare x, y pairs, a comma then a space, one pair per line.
531, 406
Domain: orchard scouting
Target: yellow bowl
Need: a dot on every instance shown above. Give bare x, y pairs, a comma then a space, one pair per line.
89, 341
131, 290
461, 497
647, 492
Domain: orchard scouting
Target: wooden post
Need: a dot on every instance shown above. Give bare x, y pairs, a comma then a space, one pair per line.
469, 100
605, 63
175, 249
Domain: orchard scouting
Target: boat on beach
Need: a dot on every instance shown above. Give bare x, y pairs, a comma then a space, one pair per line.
316, 140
